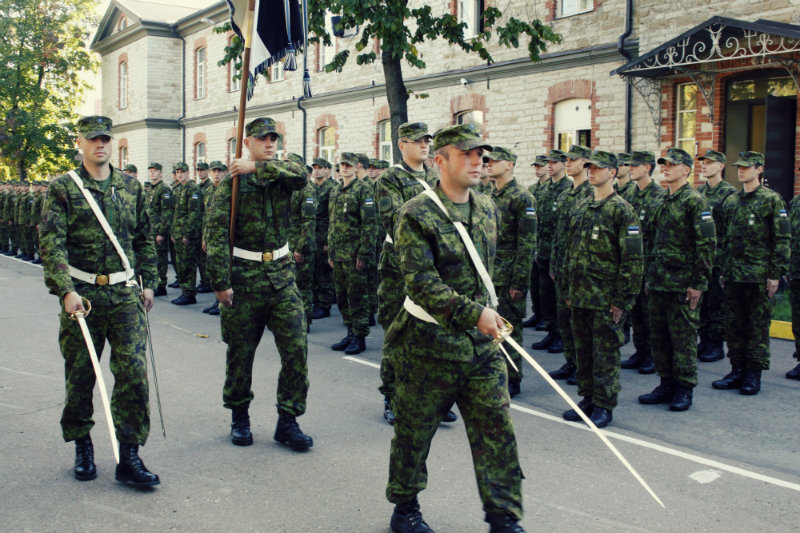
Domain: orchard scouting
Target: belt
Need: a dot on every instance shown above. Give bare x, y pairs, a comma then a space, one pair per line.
98, 279
274, 255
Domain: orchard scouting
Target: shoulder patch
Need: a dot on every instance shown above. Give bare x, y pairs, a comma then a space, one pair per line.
369, 202
705, 215
782, 213
530, 211
633, 230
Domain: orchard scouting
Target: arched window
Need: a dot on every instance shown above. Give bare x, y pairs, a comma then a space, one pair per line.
123, 156
327, 143
573, 123
231, 149
385, 140
199, 153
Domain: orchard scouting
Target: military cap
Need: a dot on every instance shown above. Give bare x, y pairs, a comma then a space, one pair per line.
713, 155
577, 151
413, 131
182, 166
216, 165
202, 165
384, 163
500, 154
556, 156
749, 159
130, 168
676, 156
602, 159
374, 163
463, 136
154, 165
642, 158
540, 161
363, 159
297, 158
320, 162
261, 127
349, 158
94, 126
623, 158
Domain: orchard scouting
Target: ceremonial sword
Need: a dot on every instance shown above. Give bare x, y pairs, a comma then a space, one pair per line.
153, 362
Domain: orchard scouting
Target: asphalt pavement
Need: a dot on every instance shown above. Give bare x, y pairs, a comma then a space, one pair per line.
729, 464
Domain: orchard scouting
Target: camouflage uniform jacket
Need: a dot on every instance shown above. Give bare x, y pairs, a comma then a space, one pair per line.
22, 208
486, 188
208, 199
794, 217
303, 220
207, 187
539, 189
323, 195
5, 198
187, 220
161, 209
604, 261
716, 196
626, 190
645, 202
261, 226
397, 185
567, 203
547, 214
683, 244
516, 236
36, 208
70, 234
440, 278
757, 236
351, 231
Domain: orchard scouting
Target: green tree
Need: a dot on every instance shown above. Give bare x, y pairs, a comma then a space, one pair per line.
42, 54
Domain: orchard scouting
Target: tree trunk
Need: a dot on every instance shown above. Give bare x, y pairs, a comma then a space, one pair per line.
397, 96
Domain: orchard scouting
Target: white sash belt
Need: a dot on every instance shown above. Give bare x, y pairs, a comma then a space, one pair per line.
98, 279
274, 255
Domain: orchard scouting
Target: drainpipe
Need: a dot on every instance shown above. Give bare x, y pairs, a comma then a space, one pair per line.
303, 109
628, 88
183, 100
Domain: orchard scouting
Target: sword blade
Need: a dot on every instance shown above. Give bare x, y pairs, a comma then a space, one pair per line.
508, 357
153, 362
100, 382
542, 372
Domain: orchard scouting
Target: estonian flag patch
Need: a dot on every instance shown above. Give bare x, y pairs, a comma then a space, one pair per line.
705, 215
633, 230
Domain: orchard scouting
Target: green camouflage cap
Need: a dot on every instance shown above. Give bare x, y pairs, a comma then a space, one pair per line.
642, 158
463, 136
713, 155
94, 126
216, 165
384, 163
500, 154
348, 157
202, 165
540, 161
413, 131
320, 162
363, 159
623, 158
374, 163
677, 156
577, 151
261, 127
557, 156
602, 159
182, 166
130, 168
154, 165
297, 158
749, 159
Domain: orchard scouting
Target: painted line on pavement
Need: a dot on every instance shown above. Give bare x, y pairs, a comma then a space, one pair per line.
666, 450
361, 361
21, 261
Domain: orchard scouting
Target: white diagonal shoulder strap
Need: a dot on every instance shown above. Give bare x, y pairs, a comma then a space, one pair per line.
104, 223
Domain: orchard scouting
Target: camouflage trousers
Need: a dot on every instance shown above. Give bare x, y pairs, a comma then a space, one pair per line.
186, 265
426, 390
536, 306
324, 292
673, 336
25, 243
547, 296
30, 240
564, 322
391, 293
304, 273
514, 312
749, 317
373, 281
202, 266
640, 323
352, 296
713, 313
242, 327
124, 327
14, 236
162, 254
597, 341
794, 301
5, 239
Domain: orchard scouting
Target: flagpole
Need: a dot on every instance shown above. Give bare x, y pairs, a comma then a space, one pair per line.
248, 37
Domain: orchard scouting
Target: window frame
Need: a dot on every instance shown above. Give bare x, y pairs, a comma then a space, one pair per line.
123, 84
200, 72
123, 156
578, 10
682, 140
475, 22
458, 118
385, 140
578, 132
326, 151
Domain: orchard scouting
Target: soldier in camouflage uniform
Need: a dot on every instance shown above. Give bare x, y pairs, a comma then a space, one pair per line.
678, 269
546, 211
161, 212
537, 190
756, 247
443, 352
256, 286
363, 173
206, 186
793, 280
302, 240
22, 220
323, 288
4, 238
604, 267
40, 188
81, 262
131, 170
10, 245
516, 245
577, 157
217, 170
351, 247
713, 310
624, 185
645, 199
187, 228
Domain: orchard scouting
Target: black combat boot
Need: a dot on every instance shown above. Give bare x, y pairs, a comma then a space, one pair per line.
557, 346
661, 394
794, 373
545, 342
532, 321
388, 414
449, 417
240, 427
732, 380
319, 313
175, 285
185, 299
601, 417
713, 352
503, 524
647, 366
567, 370
681, 399
288, 432
357, 345
751, 384
703, 345
344, 343
203, 288
634, 361
161, 290
586, 406
131, 469
407, 518
84, 459
514, 388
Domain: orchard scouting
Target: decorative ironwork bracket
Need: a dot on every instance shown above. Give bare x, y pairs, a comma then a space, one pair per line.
705, 82
650, 91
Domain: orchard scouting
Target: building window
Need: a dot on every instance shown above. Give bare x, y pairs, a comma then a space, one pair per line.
276, 72
231, 150
471, 117
123, 156
470, 12
327, 143
567, 8
385, 140
199, 153
326, 52
200, 77
123, 85
280, 152
235, 73
573, 123
123, 23
686, 117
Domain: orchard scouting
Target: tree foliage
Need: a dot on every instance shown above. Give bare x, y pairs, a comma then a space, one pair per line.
42, 54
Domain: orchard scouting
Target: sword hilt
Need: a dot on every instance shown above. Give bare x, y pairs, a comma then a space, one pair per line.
504, 332
82, 313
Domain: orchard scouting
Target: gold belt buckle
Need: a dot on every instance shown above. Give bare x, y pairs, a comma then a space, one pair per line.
101, 279
266, 256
